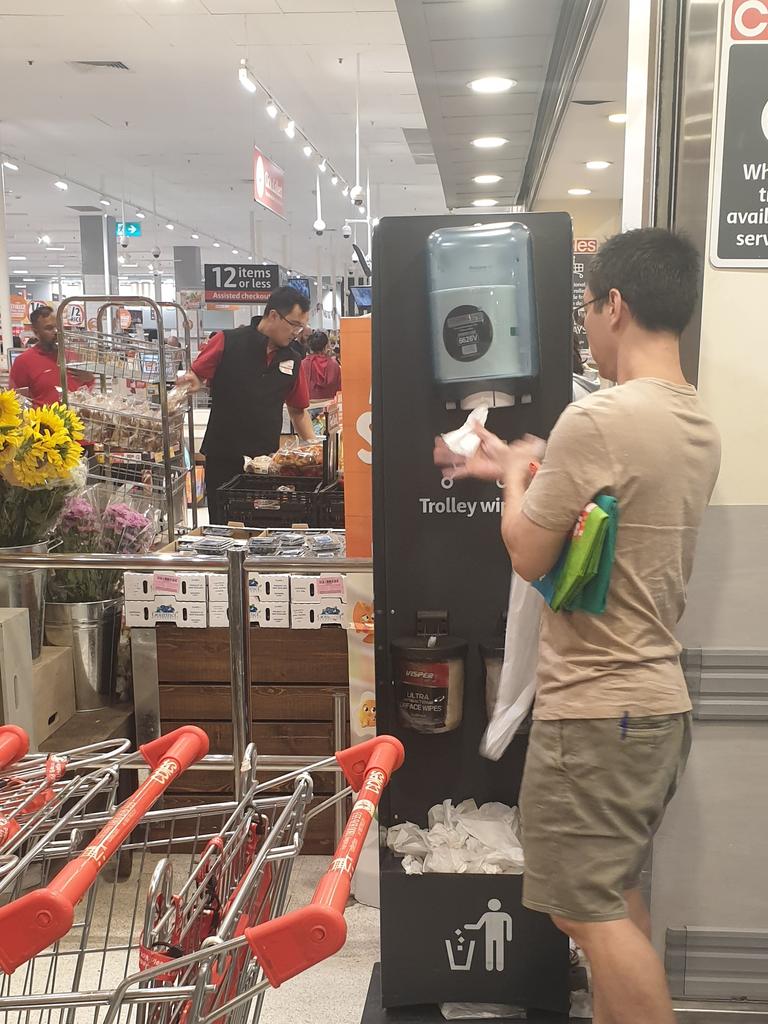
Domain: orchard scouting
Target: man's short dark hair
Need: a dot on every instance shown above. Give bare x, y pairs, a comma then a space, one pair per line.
318, 341
283, 300
41, 313
657, 273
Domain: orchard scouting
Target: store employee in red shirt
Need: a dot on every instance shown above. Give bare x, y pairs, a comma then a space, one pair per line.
37, 369
252, 372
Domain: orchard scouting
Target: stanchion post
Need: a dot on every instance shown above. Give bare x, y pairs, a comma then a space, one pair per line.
340, 716
239, 660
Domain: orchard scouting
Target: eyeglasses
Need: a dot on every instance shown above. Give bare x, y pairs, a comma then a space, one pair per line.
297, 327
580, 312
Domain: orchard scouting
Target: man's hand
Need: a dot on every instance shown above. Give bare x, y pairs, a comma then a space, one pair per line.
191, 378
493, 460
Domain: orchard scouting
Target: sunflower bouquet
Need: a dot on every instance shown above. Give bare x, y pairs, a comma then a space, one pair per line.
40, 466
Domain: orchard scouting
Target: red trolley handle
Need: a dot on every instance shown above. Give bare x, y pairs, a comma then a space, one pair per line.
288, 945
14, 744
30, 924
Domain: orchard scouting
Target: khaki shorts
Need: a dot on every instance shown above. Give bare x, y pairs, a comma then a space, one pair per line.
593, 795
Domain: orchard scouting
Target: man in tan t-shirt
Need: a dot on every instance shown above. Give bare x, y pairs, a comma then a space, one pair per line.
611, 726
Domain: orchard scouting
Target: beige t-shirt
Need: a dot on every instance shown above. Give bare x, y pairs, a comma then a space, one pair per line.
650, 444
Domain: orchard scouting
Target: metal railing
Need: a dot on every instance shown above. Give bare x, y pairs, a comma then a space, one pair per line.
237, 564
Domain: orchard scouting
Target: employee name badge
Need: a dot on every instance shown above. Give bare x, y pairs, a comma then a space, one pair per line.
287, 367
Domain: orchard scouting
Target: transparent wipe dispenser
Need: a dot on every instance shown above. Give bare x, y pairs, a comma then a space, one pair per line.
482, 310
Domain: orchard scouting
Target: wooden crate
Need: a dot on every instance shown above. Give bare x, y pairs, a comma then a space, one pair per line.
294, 675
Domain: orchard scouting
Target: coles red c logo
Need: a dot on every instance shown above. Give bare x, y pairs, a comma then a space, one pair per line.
750, 20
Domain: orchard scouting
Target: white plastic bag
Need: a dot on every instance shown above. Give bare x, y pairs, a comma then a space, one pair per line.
517, 685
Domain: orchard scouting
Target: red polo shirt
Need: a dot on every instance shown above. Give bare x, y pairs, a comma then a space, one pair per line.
37, 370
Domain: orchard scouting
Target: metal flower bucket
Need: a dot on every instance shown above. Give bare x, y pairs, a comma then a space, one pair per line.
25, 588
92, 630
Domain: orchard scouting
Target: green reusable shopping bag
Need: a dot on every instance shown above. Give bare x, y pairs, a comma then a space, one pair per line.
582, 558
593, 596
580, 578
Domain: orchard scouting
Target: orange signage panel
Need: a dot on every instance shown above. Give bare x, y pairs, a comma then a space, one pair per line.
356, 392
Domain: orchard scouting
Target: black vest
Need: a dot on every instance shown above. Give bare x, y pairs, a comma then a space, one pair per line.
247, 395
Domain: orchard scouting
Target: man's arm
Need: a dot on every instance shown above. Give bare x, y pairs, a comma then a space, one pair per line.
19, 378
297, 401
533, 550
302, 423
207, 363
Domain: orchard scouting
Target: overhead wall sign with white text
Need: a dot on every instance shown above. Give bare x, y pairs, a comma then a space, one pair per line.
240, 282
739, 235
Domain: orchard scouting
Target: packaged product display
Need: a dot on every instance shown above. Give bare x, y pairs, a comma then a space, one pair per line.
299, 459
126, 421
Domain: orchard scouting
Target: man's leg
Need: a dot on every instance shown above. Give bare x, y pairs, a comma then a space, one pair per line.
638, 911
626, 973
217, 472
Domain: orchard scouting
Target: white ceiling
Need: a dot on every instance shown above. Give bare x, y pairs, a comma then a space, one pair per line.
587, 134
451, 42
180, 117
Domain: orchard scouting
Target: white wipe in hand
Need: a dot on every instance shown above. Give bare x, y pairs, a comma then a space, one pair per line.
465, 441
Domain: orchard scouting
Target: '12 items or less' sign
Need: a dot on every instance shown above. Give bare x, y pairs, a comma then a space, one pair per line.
238, 282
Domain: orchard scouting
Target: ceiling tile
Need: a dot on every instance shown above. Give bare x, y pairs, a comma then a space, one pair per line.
488, 55
491, 19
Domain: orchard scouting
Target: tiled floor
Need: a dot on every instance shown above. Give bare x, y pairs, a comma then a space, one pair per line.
333, 992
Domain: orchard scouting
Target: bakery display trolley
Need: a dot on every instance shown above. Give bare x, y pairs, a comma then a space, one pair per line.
136, 437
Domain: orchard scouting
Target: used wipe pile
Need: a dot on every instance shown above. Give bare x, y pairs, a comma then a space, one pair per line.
465, 839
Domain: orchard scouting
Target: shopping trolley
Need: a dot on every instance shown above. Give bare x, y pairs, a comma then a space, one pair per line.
85, 948
40, 795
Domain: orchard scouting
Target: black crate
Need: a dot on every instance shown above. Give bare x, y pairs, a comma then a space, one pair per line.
330, 508
257, 500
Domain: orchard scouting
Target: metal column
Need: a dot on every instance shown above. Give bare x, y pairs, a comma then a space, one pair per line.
239, 660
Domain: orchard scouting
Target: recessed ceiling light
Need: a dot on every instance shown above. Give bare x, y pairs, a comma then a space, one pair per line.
579, 191
140, 215
217, 245
194, 236
169, 226
250, 257
17, 257
44, 240
62, 185
486, 179
235, 252
55, 266
10, 166
30, 279
121, 259
491, 84
598, 165
19, 271
489, 142
55, 248
485, 202
127, 265
105, 202
617, 118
